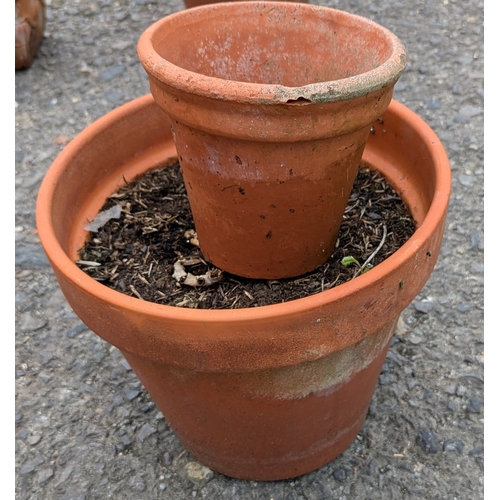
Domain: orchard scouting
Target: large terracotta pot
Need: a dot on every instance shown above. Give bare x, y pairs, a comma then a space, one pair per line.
270, 105
262, 393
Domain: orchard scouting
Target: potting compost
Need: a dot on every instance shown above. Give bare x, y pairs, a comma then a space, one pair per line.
136, 252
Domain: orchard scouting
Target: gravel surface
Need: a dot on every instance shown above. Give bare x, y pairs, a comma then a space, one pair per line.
86, 428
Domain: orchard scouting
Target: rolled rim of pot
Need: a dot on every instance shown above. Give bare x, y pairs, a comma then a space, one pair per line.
271, 53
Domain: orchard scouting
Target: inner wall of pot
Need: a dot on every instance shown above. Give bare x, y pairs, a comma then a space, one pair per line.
283, 45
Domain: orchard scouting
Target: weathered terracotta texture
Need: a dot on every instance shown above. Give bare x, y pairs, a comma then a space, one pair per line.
270, 106
262, 393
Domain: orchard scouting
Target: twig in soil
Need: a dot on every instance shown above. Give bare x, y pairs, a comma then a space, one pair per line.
89, 263
370, 258
135, 292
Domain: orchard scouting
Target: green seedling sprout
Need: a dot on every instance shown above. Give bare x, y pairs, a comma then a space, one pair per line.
361, 269
350, 260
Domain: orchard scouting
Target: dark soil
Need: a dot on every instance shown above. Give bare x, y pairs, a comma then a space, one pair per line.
135, 254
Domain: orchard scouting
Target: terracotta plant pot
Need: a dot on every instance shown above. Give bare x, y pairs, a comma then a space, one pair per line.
196, 3
30, 26
262, 393
270, 106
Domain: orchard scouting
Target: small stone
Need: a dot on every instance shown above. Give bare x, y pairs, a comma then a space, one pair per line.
477, 268
474, 239
387, 378
131, 394
137, 484
71, 334
118, 400
122, 45
415, 339
450, 389
120, 16
88, 388
145, 431
34, 439
467, 180
452, 405
22, 434
372, 468
197, 472
341, 474
475, 405
470, 111
476, 451
424, 306
26, 469
146, 407
30, 323
461, 390
427, 394
111, 73
66, 473
396, 358
427, 440
125, 364
412, 383
433, 103
454, 445
44, 475
126, 441
167, 458
46, 357
463, 307
385, 368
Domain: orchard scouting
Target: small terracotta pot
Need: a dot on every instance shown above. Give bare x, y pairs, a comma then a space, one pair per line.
196, 3
270, 106
30, 26
262, 393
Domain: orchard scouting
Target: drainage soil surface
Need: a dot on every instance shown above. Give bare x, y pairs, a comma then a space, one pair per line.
136, 253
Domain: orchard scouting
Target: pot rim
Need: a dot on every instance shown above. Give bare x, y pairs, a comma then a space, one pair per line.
68, 268
245, 92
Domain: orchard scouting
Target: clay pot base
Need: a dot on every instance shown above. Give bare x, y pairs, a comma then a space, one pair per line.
137, 252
